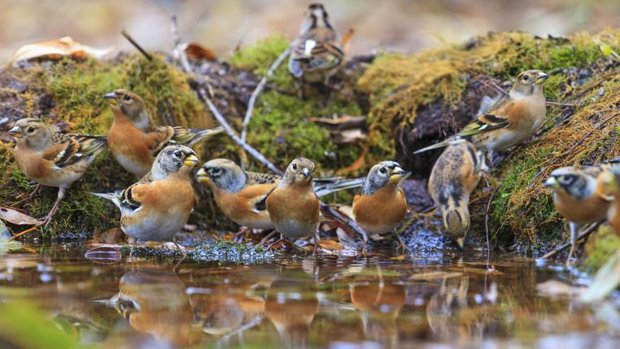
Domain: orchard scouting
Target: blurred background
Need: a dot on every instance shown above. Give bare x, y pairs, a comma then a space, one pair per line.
222, 25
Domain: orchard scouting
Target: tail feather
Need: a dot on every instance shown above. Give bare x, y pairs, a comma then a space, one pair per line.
191, 136
114, 197
450, 141
325, 186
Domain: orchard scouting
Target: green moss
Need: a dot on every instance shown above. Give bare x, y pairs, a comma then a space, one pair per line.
258, 57
600, 247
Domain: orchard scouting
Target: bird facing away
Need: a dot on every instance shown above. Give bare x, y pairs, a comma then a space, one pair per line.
241, 194
157, 206
454, 176
382, 205
293, 206
576, 198
53, 159
134, 141
608, 185
510, 121
316, 54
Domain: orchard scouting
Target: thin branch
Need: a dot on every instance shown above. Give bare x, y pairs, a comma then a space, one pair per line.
339, 216
259, 89
565, 245
233, 135
136, 45
179, 51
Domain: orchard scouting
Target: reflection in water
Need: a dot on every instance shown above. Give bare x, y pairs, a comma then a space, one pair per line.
337, 302
291, 305
378, 301
155, 302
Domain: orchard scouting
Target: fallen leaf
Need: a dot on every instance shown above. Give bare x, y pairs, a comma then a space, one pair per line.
111, 236
17, 218
347, 136
435, 275
104, 255
197, 52
330, 244
357, 164
346, 40
56, 49
554, 288
342, 122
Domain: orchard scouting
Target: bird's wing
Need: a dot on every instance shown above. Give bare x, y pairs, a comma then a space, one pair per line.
191, 136
262, 178
68, 149
159, 137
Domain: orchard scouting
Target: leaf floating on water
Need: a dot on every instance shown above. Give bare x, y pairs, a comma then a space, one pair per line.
56, 49
330, 244
606, 280
17, 218
435, 275
554, 288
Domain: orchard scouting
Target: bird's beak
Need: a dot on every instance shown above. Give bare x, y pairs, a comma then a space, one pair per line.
608, 181
551, 183
397, 173
111, 95
15, 131
191, 161
541, 78
202, 176
461, 242
305, 172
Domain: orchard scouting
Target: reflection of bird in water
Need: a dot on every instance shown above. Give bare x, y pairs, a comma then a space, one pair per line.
378, 302
291, 305
217, 311
155, 302
451, 318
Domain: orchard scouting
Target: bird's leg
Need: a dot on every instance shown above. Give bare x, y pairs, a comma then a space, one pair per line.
281, 239
133, 244
574, 229
317, 238
50, 215
301, 91
365, 245
183, 255
35, 191
401, 244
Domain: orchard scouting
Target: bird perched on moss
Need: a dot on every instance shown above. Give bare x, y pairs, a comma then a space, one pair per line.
454, 176
316, 54
241, 194
381, 205
293, 206
158, 205
608, 185
135, 142
51, 158
510, 121
577, 198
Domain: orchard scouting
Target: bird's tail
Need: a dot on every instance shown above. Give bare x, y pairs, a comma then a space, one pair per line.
91, 144
456, 222
325, 186
114, 197
191, 136
442, 144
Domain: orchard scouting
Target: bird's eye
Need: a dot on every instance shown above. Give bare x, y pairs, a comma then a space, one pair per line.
126, 97
30, 129
294, 166
526, 77
215, 171
382, 170
178, 154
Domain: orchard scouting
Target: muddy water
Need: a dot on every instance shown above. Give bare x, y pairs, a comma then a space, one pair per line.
335, 303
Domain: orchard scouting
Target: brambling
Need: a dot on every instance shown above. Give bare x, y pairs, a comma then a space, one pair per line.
241, 194
511, 120
51, 158
576, 198
382, 205
316, 54
158, 205
134, 141
608, 186
454, 176
292, 205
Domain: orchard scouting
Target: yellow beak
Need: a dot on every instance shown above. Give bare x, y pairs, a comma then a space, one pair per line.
397, 173
15, 132
551, 183
541, 78
191, 161
202, 176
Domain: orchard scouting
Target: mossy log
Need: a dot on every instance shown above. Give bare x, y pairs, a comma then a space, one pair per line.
411, 100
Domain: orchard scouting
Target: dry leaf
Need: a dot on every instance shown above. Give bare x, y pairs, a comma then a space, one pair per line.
17, 218
56, 49
346, 40
347, 136
197, 53
357, 164
341, 122
554, 288
330, 244
434, 275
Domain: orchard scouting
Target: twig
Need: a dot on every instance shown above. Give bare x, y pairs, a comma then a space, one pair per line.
231, 133
259, 89
179, 52
565, 245
136, 45
561, 104
24, 232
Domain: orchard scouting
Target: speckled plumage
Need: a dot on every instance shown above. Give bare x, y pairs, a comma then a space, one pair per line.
454, 176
